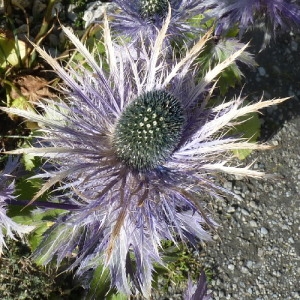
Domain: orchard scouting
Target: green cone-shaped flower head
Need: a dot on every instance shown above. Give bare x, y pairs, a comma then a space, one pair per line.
149, 130
150, 8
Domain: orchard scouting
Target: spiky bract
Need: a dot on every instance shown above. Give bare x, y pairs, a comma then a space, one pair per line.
199, 291
125, 210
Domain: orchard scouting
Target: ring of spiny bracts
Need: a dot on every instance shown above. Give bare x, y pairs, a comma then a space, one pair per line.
149, 130
150, 8
125, 207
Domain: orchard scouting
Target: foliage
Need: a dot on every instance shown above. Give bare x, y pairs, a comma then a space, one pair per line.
22, 279
12, 52
250, 128
180, 263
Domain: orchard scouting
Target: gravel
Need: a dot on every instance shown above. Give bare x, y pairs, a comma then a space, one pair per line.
256, 252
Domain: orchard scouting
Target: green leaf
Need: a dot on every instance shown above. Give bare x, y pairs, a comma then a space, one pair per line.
28, 187
249, 129
218, 51
27, 215
100, 283
29, 161
197, 20
35, 237
45, 216
228, 79
11, 51
117, 297
58, 234
21, 103
42, 220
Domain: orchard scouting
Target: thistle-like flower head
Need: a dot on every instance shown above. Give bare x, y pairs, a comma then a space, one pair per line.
134, 147
7, 188
146, 17
249, 13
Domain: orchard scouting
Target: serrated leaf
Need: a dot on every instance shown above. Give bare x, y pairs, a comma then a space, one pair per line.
228, 79
57, 235
28, 187
35, 238
29, 161
21, 103
100, 283
218, 51
42, 221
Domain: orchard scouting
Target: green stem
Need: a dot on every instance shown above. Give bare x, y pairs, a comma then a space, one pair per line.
45, 28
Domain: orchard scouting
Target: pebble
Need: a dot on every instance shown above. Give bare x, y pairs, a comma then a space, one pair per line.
228, 185
264, 230
72, 16
294, 46
253, 205
38, 7
249, 264
231, 209
245, 212
95, 11
261, 71
1, 6
244, 270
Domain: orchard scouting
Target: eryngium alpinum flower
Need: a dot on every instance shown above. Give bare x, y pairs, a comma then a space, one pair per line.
146, 17
134, 148
7, 189
267, 14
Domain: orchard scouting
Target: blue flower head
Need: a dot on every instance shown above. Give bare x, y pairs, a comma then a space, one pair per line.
271, 14
146, 17
134, 148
